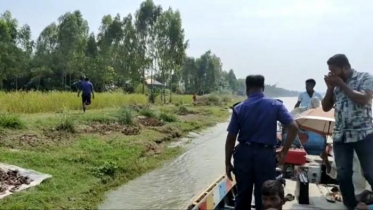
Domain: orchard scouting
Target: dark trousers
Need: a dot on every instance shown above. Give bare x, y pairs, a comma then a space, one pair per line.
343, 154
253, 165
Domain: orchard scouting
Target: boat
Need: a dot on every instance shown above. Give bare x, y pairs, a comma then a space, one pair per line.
219, 195
311, 142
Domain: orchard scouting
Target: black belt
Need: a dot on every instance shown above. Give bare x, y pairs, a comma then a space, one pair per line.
255, 144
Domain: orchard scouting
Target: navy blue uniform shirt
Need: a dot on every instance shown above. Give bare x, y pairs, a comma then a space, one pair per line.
255, 119
86, 87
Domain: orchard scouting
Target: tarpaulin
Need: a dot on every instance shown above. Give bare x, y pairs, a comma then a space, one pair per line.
36, 177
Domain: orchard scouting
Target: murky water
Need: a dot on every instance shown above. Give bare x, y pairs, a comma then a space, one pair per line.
176, 183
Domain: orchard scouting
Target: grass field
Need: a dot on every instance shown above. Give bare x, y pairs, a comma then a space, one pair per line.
39, 102
89, 154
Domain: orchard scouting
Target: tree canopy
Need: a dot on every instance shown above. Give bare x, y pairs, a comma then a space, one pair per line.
125, 51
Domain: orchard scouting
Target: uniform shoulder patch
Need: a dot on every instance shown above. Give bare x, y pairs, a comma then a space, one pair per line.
234, 105
279, 101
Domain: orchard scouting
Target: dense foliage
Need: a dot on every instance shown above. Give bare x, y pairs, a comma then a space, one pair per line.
124, 53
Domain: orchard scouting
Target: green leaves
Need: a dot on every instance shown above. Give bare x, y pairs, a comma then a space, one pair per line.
125, 52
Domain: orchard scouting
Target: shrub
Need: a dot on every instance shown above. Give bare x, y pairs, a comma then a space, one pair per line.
139, 89
125, 116
147, 112
107, 169
66, 124
227, 99
167, 117
11, 121
182, 110
214, 100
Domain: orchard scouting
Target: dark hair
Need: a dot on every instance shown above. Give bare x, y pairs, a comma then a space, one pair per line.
86, 79
311, 81
339, 60
254, 81
81, 78
273, 188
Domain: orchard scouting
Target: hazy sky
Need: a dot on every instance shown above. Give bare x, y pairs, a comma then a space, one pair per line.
288, 41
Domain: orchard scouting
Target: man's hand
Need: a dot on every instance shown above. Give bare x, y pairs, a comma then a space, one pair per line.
229, 170
327, 82
324, 156
281, 158
229, 148
93, 96
332, 80
328, 101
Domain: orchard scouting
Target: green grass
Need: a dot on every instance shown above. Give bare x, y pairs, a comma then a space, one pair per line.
85, 166
40, 102
147, 112
74, 169
66, 123
11, 121
57, 102
168, 117
125, 116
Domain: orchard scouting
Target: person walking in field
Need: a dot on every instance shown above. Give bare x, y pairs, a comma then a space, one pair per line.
86, 87
254, 121
350, 93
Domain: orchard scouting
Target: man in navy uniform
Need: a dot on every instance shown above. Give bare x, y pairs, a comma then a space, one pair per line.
254, 121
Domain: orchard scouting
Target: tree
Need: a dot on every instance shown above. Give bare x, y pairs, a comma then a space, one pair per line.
12, 58
129, 52
91, 50
125, 50
72, 37
232, 80
189, 75
146, 17
5, 45
241, 87
12, 25
170, 46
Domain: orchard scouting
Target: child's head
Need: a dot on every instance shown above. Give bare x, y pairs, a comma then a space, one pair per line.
273, 195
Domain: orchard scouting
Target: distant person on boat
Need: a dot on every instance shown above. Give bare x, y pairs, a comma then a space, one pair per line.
350, 93
304, 99
254, 121
88, 92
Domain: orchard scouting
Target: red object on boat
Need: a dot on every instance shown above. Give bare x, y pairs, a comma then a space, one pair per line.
296, 157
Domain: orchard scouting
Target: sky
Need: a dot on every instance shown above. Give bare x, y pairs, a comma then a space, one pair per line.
287, 41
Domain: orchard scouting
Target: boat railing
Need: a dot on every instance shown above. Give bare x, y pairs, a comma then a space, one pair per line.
211, 196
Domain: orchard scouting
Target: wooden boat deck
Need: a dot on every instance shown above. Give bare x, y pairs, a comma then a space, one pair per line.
216, 193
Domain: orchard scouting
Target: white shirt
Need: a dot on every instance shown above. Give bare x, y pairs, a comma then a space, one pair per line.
360, 184
305, 99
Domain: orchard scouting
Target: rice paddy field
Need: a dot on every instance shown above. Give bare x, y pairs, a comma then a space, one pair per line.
119, 138
40, 102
